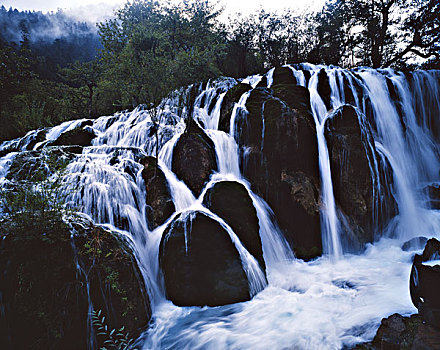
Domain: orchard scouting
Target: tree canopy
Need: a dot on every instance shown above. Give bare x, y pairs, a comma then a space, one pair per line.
150, 48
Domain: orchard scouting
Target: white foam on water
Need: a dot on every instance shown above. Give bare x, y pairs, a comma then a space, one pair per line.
323, 304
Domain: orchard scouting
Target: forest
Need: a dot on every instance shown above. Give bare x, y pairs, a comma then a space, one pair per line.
54, 68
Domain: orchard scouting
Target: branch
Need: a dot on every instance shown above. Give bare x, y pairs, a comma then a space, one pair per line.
425, 55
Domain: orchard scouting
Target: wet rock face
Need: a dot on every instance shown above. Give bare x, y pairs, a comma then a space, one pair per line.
194, 158
159, 201
352, 153
398, 332
79, 137
232, 96
231, 201
44, 296
280, 159
200, 264
433, 192
324, 88
283, 75
425, 283
38, 165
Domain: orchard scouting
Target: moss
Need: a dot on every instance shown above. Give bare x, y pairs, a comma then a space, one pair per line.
36, 166
283, 75
44, 294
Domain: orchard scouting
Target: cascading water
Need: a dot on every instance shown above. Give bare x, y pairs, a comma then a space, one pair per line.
329, 219
327, 303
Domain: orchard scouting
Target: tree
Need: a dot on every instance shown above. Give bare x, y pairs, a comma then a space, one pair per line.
421, 33
152, 49
83, 75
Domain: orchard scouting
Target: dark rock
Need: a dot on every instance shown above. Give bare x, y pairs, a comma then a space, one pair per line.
231, 201
424, 283
433, 193
282, 166
39, 136
324, 89
416, 243
200, 264
398, 332
79, 136
351, 152
194, 158
159, 200
38, 165
262, 83
297, 98
232, 96
45, 297
283, 75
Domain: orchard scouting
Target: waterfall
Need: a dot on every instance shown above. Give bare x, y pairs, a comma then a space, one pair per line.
239, 106
334, 301
330, 224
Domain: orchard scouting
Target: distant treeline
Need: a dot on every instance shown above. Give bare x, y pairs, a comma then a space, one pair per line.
54, 68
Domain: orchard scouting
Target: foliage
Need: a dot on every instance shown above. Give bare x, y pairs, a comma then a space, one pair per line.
116, 339
378, 33
31, 200
152, 47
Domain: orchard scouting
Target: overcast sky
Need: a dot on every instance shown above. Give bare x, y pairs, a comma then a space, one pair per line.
92, 10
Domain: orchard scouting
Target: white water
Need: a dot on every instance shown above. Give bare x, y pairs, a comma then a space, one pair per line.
318, 305
330, 226
324, 304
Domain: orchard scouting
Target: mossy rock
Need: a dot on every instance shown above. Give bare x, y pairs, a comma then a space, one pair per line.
262, 83
405, 333
158, 199
45, 295
282, 163
38, 165
324, 89
79, 137
230, 200
200, 263
296, 97
194, 158
283, 75
232, 96
351, 150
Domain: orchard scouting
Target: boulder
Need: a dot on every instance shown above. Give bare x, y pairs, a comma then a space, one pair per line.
416, 243
230, 200
232, 96
352, 153
399, 332
296, 97
324, 89
158, 199
194, 158
79, 137
200, 264
283, 75
262, 83
38, 136
280, 160
50, 270
425, 283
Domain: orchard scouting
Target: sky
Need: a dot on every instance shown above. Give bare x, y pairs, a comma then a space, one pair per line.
95, 10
